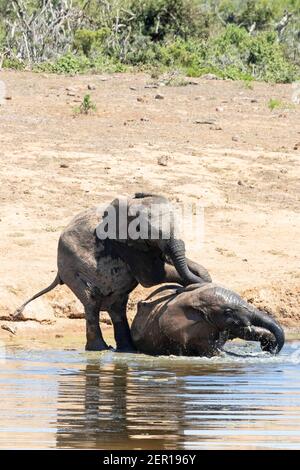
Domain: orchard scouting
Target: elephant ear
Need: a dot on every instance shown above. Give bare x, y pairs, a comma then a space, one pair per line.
180, 318
138, 220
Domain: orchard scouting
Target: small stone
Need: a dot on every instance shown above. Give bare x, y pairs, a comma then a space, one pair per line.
159, 97
297, 146
163, 160
151, 85
133, 88
140, 99
210, 76
240, 183
8, 98
64, 165
91, 87
145, 119
11, 329
71, 93
235, 138
205, 121
219, 109
216, 128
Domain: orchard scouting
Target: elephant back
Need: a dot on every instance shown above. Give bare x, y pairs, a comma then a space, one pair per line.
145, 329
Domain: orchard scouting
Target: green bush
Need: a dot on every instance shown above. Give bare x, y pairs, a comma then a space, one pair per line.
191, 36
71, 64
13, 63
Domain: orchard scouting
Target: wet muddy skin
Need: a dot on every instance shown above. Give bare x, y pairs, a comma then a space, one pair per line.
74, 399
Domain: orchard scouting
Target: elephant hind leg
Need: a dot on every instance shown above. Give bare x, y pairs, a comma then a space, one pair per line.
92, 304
117, 313
94, 338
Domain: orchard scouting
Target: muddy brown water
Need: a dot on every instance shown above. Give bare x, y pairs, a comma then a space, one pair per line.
74, 399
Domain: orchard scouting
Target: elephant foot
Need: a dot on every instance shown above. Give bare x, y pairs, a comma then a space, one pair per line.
126, 349
97, 346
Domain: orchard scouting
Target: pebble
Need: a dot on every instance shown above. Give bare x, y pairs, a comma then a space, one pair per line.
163, 160
205, 121
210, 76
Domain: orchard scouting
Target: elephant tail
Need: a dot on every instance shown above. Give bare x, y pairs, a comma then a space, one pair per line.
55, 283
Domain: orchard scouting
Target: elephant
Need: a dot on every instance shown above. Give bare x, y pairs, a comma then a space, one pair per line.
197, 321
101, 268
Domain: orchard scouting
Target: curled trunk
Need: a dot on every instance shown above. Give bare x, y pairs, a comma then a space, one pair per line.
264, 329
176, 251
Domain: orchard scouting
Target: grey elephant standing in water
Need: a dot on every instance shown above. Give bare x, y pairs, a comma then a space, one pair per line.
102, 272
198, 320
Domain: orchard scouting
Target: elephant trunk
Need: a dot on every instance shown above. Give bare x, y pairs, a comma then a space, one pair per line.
262, 320
262, 328
175, 249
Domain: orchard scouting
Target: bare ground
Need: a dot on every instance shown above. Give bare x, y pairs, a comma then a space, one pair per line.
243, 168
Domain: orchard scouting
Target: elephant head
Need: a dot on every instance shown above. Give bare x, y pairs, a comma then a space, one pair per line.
147, 222
229, 313
197, 320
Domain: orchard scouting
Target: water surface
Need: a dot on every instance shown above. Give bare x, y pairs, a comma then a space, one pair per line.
74, 399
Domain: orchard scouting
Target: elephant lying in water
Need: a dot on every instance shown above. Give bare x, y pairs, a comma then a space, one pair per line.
198, 320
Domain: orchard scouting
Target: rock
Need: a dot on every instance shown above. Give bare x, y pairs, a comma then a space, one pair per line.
159, 97
216, 128
205, 121
235, 138
140, 99
91, 87
297, 146
11, 329
145, 119
210, 76
163, 160
71, 93
64, 165
151, 85
240, 183
219, 109
40, 311
8, 98
105, 318
133, 88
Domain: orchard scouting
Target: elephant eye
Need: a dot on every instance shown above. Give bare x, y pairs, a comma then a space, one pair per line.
228, 311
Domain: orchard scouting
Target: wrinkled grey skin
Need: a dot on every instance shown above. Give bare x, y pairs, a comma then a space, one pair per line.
102, 273
198, 320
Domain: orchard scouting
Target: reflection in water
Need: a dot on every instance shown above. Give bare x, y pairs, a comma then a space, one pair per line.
110, 401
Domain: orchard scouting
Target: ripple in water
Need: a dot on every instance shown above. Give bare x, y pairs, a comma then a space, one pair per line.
67, 399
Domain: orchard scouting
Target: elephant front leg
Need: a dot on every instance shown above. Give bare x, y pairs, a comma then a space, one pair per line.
94, 338
117, 313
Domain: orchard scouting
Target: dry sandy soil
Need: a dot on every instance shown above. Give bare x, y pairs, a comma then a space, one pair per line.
243, 168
